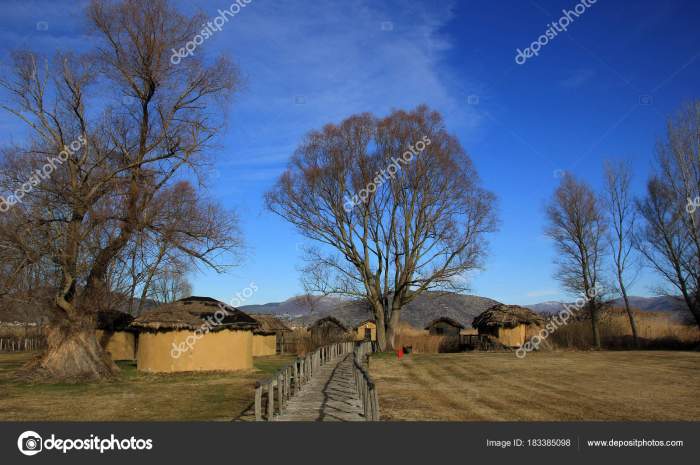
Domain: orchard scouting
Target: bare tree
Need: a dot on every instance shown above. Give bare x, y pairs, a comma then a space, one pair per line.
109, 160
181, 230
622, 216
670, 236
577, 225
394, 206
170, 285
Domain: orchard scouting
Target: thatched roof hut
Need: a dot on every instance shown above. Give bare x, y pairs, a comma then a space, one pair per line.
270, 323
447, 320
508, 323
328, 320
195, 334
271, 337
444, 326
191, 313
328, 329
507, 316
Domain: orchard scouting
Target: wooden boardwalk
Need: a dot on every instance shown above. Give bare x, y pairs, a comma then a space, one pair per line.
330, 395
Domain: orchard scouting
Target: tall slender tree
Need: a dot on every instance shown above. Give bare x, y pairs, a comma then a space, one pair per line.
669, 237
622, 216
577, 226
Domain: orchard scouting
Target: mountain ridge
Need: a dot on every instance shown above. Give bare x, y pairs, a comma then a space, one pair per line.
428, 306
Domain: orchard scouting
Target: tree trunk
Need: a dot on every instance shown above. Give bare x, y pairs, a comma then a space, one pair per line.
693, 304
381, 325
594, 323
381, 334
695, 310
392, 328
630, 315
73, 354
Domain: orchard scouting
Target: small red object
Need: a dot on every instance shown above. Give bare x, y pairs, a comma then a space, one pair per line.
399, 353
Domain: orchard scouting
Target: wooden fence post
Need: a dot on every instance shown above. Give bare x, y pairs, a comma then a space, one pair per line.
296, 376
258, 402
270, 401
280, 397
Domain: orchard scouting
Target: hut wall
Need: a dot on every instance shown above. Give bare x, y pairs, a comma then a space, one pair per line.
121, 345
362, 329
443, 328
513, 337
264, 345
224, 350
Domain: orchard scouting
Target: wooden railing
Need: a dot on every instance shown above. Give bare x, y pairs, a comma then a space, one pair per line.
363, 381
291, 379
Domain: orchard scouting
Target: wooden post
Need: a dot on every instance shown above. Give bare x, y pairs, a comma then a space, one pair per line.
290, 372
375, 400
280, 391
365, 399
270, 401
302, 372
296, 377
258, 402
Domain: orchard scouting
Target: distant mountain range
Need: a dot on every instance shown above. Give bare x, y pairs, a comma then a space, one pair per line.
664, 304
425, 308
429, 306
673, 306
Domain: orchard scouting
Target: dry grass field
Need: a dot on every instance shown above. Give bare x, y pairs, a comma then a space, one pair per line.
545, 386
134, 397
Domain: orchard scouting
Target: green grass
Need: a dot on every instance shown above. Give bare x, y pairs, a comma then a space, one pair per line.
134, 396
553, 386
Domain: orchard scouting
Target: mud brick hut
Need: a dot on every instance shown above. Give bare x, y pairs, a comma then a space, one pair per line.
507, 323
444, 326
366, 331
273, 336
195, 334
115, 334
329, 329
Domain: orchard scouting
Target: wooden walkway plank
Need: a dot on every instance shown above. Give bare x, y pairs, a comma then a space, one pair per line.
329, 396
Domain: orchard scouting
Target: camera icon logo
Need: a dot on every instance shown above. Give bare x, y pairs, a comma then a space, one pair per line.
29, 443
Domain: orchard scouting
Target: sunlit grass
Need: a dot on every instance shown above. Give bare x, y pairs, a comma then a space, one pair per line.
134, 396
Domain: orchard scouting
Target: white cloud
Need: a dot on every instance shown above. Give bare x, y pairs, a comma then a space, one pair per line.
306, 66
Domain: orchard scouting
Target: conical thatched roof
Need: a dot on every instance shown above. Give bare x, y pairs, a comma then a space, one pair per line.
444, 319
331, 320
270, 323
507, 316
193, 313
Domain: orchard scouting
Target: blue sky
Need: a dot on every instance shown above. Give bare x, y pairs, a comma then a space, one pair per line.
601, 90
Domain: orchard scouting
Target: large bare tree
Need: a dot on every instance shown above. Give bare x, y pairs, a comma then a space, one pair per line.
394, 207
117, 126
622, 216
670, 236
577, 225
